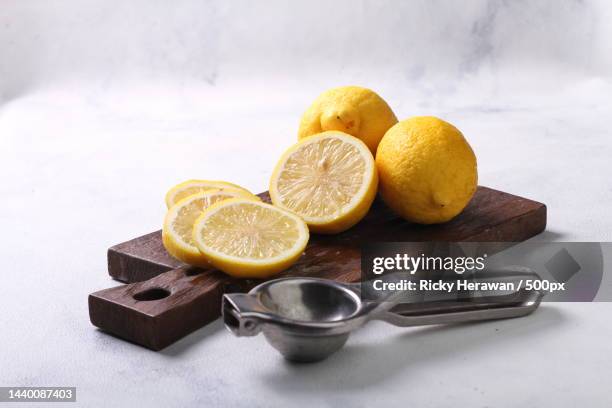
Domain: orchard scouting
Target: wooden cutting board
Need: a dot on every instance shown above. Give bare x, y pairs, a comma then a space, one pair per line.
167, 300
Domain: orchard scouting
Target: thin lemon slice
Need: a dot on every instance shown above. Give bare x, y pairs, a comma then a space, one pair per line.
178, 224
189, 187
246, 238
329, 179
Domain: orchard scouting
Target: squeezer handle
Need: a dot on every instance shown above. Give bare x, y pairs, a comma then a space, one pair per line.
517, 304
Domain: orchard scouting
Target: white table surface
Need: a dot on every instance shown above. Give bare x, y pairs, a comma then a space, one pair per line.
86, 157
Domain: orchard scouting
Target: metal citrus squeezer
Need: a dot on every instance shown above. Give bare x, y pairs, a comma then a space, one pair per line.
308, 319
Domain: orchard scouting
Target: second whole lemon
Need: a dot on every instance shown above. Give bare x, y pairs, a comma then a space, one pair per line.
358, 111
427, 170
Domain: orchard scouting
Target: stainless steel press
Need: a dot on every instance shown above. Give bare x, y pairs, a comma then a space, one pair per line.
308, 319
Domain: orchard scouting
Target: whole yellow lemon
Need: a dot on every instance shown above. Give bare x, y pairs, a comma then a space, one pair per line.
360, 112
427, 170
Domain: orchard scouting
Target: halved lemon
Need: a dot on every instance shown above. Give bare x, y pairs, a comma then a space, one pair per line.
189, 187
178, 225
250, 239
329, 179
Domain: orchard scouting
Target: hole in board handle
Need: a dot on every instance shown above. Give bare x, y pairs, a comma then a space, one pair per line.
151, 294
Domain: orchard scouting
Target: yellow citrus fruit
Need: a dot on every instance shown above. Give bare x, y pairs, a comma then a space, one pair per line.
360, 112
329, 180
189, 187
427, 170
178, 224
250, 239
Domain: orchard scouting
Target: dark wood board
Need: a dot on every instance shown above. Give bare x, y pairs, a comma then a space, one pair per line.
168, 300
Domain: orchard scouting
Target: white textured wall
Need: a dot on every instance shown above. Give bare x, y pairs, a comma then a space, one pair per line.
420, 43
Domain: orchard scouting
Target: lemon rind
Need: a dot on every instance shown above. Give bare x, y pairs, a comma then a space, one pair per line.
214, 185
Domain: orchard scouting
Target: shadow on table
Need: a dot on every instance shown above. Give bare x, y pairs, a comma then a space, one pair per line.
198, 336
548, 236
362, 365
176, 349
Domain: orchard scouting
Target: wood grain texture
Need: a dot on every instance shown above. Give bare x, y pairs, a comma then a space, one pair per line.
193, 296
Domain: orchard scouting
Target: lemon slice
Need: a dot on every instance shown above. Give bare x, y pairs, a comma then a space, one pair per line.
189, 187
245, 238
178, 224
330, 180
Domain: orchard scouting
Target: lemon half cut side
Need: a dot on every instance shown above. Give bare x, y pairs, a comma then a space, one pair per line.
330, 180
178, 223
250, 239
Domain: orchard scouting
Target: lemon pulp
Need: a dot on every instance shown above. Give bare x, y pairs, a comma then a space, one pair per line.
250, 239
177, 233
329, 180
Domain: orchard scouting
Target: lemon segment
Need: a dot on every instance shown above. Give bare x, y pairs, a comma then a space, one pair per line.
178, 223
354, 110
427, 170
330, 180
190, 187
250, 239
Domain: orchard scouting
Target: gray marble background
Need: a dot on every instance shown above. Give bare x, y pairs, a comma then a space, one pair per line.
106, 104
